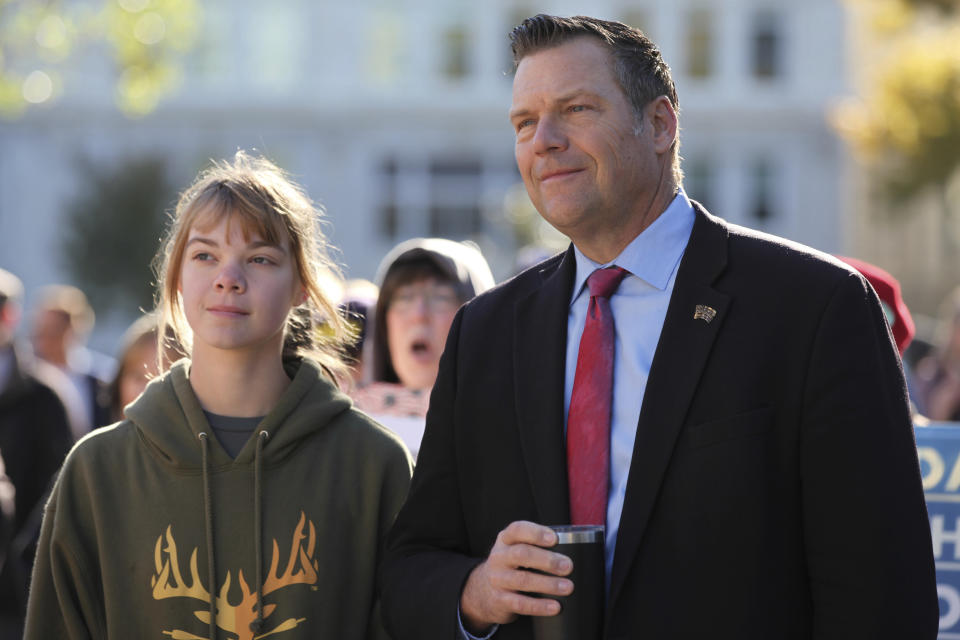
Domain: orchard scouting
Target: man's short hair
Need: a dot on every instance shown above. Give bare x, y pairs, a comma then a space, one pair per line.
637, 64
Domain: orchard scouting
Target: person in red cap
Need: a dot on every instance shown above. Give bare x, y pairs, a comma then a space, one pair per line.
898, 317
888, 290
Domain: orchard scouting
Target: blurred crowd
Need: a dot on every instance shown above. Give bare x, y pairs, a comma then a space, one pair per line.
54, 390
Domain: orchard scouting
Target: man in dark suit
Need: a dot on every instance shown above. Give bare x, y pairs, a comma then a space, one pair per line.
34, 439
761, 478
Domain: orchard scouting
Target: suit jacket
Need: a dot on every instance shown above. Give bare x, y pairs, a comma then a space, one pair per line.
34, 439
774, 489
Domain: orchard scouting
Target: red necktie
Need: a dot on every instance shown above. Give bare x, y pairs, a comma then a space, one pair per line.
588, 421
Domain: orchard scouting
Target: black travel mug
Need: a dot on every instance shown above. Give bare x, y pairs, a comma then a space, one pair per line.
581, 613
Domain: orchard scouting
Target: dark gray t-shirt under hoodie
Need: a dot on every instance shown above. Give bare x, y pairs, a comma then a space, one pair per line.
232, 433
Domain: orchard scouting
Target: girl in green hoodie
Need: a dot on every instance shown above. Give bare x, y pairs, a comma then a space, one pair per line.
243, 496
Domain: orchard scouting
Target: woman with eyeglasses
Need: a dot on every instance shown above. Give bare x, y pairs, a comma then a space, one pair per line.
422, 284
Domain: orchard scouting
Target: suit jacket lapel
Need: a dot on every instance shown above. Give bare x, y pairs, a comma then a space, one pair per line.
681, 354
539, 362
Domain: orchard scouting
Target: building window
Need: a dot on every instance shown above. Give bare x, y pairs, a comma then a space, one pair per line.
700, 43
388, 208
211, 59
455, 61
698, 180
277, 47
767, 46
443, 195
455, 185
385, 53
762, 187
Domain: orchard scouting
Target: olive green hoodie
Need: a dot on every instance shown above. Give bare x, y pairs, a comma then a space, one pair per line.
145, 510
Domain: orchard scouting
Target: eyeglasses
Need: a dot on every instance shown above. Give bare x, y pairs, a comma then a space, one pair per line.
435, 299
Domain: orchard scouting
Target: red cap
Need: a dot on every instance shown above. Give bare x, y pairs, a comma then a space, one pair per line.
888, 290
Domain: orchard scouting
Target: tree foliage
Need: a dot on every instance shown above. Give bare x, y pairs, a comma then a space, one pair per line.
112, 230
906, 125
949, 7
42, 45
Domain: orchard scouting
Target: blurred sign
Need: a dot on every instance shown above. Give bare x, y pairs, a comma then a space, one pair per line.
938, 446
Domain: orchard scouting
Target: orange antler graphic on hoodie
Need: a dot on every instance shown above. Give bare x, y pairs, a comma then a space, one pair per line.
235, 618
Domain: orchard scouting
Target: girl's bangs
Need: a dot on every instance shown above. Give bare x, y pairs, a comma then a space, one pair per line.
254, 220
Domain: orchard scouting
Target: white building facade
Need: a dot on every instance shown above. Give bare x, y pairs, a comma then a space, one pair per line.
393, 115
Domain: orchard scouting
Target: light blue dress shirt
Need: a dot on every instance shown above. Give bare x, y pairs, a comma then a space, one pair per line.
639, 308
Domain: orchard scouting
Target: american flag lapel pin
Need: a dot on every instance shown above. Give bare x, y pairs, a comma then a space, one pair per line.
705, 313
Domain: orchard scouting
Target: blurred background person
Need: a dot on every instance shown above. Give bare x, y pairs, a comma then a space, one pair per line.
357, 304
937, 376
898, 317
62, 320
138, 363
7, 511
34, 438
423, 282
891, 300
7, 515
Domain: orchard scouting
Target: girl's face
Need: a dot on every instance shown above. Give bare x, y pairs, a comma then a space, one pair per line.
418, 319
237, 291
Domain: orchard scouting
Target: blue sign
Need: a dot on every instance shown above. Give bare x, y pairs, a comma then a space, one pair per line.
938, 446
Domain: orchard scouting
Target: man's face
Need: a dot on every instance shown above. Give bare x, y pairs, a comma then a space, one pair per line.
583, 161
51, 336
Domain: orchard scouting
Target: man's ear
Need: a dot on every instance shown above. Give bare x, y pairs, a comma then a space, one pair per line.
663, 116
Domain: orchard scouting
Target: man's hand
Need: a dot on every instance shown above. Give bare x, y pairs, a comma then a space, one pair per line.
492, 594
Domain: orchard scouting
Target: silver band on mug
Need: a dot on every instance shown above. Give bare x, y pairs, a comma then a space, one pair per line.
578, 533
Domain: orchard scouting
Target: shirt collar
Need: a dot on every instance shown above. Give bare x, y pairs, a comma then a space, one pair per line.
654, 254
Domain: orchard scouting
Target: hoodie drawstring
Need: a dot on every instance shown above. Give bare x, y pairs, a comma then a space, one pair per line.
262, 437
208, 521
257, 623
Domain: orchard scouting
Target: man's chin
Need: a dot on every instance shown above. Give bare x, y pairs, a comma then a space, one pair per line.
564, 217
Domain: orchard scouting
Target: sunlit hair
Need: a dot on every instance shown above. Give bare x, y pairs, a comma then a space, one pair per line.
258, 195
637, 64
